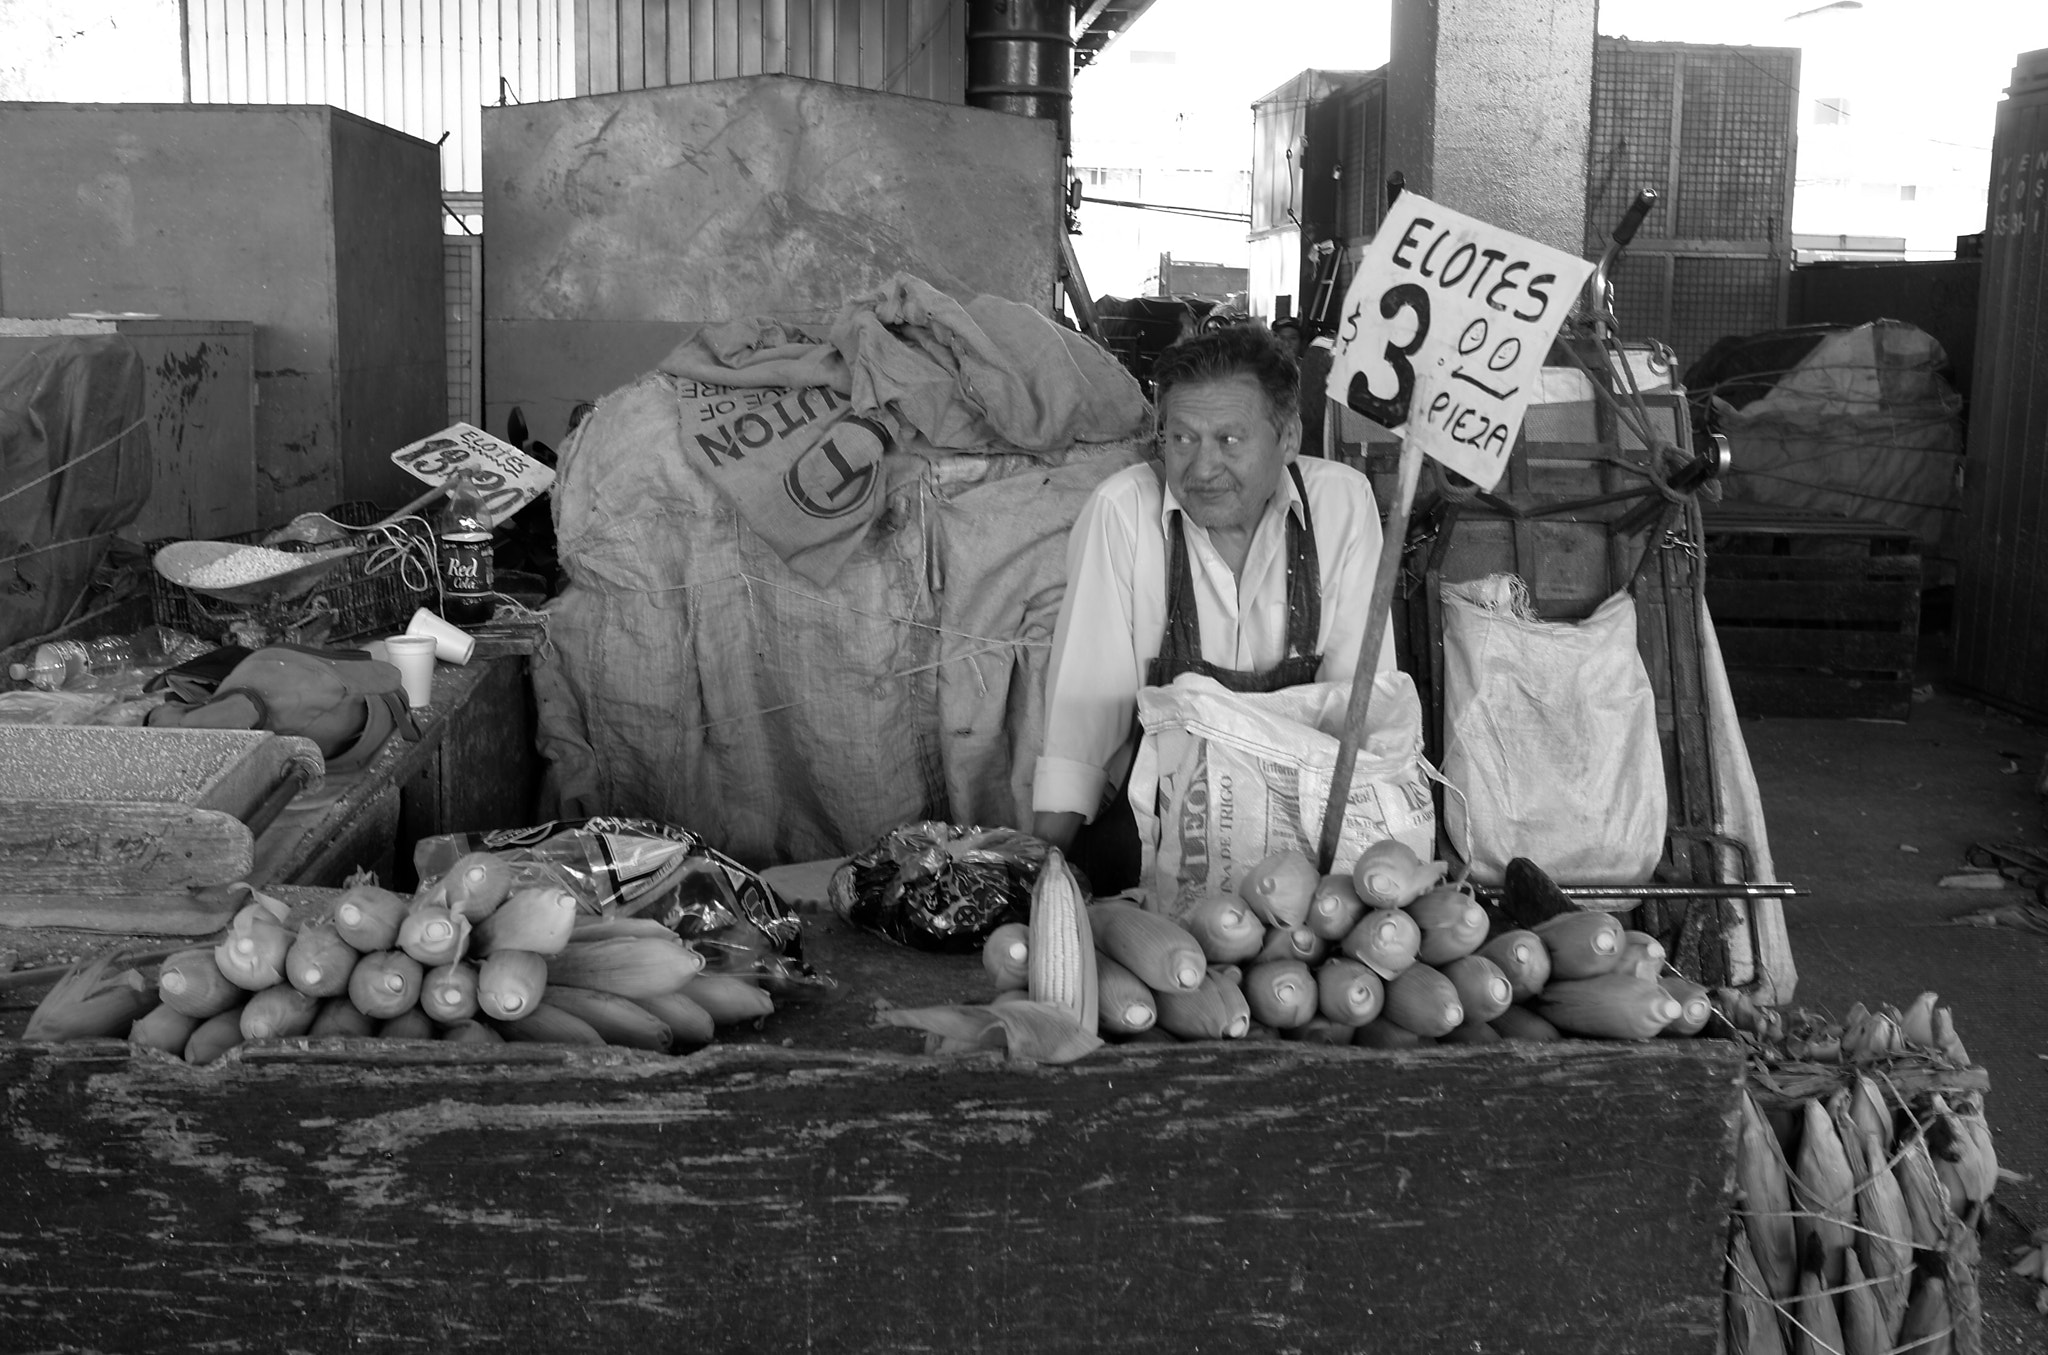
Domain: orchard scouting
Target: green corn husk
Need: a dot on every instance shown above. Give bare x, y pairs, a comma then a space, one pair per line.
1752, 1316
1816, 1327
252, 954
1867, 1108
1884, 1245
1826, 1192
278, 1012
163, 1028
448, 992
1926, 1200
434, 936
1767, 1203
319, 961
215, 1036
1864, 1330
1928, 1325
191, 982
88, 1003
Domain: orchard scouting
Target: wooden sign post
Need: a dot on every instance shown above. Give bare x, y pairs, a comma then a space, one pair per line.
1442, 341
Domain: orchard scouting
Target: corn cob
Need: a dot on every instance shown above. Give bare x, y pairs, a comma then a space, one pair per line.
1389, 874
1060, 968
1611, 1006
1213, 1010
1335, 909
475, 885
1641, 954
319, 961
448, 992
1521, 956
434, 936
1280, 887
252, 954
1421, 999
1928, 1326
689, 1025
1825, 1191
1384, 1034
1816, 1328
538, 918
1864, 1331
1452, 922
1155, 948
1124, 1003
1519, 1023
631, 966
278, 1012
1293, 943
1386, 941
87, 1003
1926, 1200
1482, 989
509, 984
1004, 954
368, 917
339, 1018
733, 1000
215, 1036
1752, 1315
619, 1019
385, 984
1280, 993
1226, 929
546, 1024
1582, 945
191, 982
1767, 1203
1693, 1006
1884, 1235
590, 927
163, 1028
471, 1032
1349, 993
410, 1024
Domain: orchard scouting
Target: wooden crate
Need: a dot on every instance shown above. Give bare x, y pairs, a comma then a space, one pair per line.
1817, 615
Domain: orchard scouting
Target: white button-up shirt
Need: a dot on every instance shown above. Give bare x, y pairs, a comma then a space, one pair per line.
1113, 619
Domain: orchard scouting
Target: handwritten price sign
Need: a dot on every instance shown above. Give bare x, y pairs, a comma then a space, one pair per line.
509, 478
1445, 329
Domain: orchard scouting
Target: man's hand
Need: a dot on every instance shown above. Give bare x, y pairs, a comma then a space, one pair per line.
1057, 827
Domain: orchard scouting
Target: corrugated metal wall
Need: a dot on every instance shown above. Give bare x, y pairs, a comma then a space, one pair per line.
913, 47
422, 66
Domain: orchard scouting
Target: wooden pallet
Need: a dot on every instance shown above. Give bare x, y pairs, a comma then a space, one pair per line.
1818, 615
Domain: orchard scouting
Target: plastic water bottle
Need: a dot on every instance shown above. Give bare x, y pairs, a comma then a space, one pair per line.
59, 664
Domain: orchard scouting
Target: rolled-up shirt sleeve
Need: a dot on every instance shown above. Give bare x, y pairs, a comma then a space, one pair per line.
1092, 681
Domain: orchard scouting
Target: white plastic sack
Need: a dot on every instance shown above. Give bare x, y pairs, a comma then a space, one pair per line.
1550, 732
1222, 780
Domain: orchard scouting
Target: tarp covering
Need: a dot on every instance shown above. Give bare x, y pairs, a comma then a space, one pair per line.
74, 469
694, 676
1858, 421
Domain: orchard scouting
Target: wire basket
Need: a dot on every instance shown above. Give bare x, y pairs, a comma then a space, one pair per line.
367, 595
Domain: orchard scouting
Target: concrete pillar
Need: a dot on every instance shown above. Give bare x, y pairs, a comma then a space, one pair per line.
1489, 110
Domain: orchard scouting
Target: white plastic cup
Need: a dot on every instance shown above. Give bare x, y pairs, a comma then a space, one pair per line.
413, 657
452, 644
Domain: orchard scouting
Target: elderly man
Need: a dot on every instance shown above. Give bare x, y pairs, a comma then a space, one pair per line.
1226, 556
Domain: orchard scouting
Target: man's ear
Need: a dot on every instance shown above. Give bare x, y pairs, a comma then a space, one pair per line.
1290, 437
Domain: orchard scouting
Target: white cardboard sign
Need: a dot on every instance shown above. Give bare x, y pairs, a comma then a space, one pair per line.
509, 478
1445, 330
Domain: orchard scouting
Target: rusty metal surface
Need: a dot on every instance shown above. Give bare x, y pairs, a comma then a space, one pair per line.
760, 196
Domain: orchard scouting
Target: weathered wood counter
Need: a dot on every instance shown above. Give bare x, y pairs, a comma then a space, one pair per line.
818, 1185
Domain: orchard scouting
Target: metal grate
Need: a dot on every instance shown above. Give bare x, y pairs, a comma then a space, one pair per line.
1735, 144
1631, 139
462, 293
1714, 297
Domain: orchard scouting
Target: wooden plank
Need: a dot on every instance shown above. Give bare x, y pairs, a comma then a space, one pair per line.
1798, 647
173, 913
1900, 571
49, 846
1796, 600
1764, 692
1253, 1197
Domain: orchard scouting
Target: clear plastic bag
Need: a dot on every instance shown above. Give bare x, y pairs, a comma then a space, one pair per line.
939, 886
619, 867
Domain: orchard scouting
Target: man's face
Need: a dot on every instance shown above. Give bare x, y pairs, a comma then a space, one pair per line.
1221, 453
1290, 340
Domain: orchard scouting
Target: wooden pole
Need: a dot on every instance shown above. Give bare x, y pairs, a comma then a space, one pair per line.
1376, 615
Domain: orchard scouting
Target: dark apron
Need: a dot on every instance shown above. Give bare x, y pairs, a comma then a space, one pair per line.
1108, 849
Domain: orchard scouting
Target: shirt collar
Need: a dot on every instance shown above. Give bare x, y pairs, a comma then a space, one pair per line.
1286, 497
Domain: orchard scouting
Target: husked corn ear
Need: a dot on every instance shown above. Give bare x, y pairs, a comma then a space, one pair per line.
338, 1018
163, 1028
319, 961
1766, 1202
191, 982
538, 918
448, 992
619, 1019
547, 1024
1214, 1010
689, 1025
279, 1012
1752, 1317
434, 936
385, 984
215, 1036
509, 984
1125, 1005
731, 999
631, 966
1161, 952
410, 1024
471, 1032
1004, 955
1060, 966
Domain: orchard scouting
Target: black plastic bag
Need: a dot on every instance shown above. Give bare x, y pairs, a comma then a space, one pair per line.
939, 886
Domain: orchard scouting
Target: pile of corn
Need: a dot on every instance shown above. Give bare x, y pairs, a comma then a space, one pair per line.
1863, 1167
468, 959
1385, 956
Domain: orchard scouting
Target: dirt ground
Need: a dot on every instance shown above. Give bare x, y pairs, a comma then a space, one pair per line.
1870, 817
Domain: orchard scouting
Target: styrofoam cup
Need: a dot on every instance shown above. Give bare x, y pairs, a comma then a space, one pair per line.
452, 644
413, 657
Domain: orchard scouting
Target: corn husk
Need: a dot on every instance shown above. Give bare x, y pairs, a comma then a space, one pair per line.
1386, 941
1157, 949
434, 936
191, 982
1281, 993
1292, 943
1582, 945
1421, 999
1388, 874
1519, 1023
163, 1028
1483, 990
591, 927
1693, 1005
89, 1003
319, 961
1521, 956
1884, 1242
1125, 1006
410, 1024
385, 984
1384, 1034
277, 1013
551, 1025
1280, 888
1767, 1203
731, 999
1003, 955
1226, 929
1917, 1023
1320, 1029
1641, 955
1926, 1200
540, 919
1752, 1316
630, 966
471, 1032
339, 1019
1867, 1107
1928, 1328
509, 984
448, 992
1945, 1038
1865, 1330
690, 1026
1348, 993
1452, 922
1825, 1191
1214, 1011
1610, 1006
368, 918
252, 953
1336, 908
1816, 1326
620, 1020
475, 885
215, 1036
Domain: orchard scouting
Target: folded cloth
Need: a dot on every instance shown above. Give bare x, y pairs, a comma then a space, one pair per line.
987, 371
1029, 1032
756, 353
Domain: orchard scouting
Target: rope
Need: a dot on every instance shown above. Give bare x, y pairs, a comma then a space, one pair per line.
72, 464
